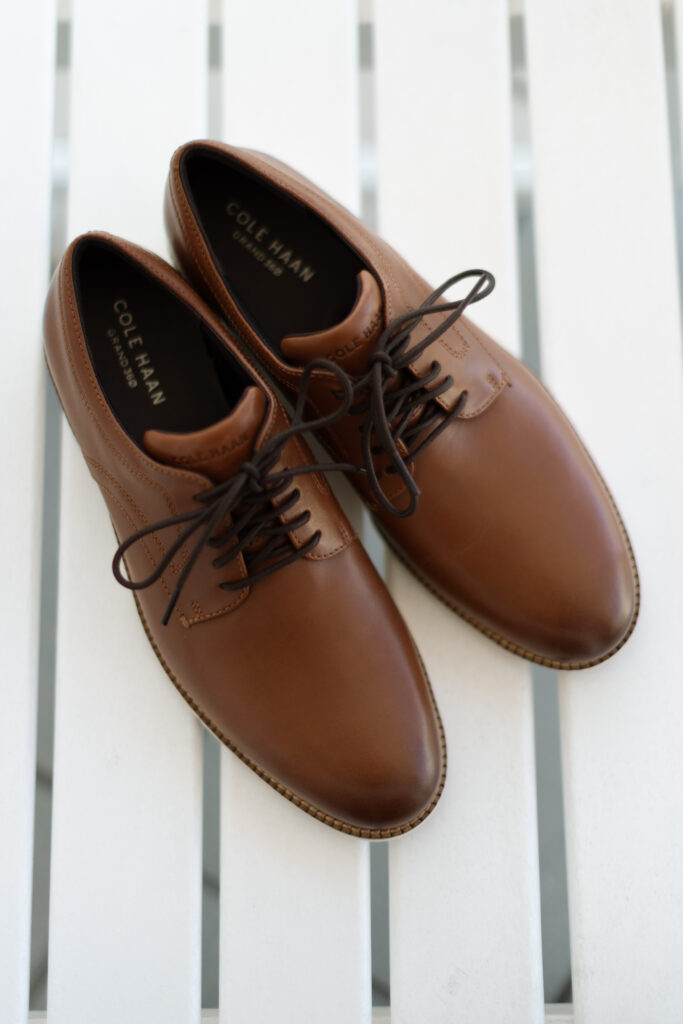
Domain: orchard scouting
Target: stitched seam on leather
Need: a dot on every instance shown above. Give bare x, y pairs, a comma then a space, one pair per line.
200, 254
334, 211
141, 518
289, 378
497, 390
316, 477
399, 487
161, 490
328, 554
198, 251
120, 457
441, 400
315, 812
280, 373
117, 501
195, 604
206, 616
200, 616
195, 230
216, 286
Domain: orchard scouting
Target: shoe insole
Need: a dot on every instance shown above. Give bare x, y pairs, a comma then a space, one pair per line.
159, 365
287, 270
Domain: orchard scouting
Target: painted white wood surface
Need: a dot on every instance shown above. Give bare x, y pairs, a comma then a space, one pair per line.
675, 7
295, 911
139, 89
611, 350
295, 903
558, 1014
465, 908
290, 86
126, 859
27, 64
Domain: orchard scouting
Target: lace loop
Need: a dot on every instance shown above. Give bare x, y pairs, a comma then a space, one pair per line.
249, 496
399, 415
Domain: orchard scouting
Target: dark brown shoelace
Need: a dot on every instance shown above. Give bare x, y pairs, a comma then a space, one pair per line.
401, 414
247, 496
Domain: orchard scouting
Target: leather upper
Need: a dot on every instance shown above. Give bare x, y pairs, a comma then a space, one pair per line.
515, 528
309, 675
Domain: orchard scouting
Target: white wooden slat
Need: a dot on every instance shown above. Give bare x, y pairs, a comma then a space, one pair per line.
295, 910
611, 351
676, 9
290, 85
126, 866
27, 64
139, 90
465, 905
294, 894
559, 1014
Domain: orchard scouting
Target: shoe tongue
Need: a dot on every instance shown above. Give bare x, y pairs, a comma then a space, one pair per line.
348, 343
217, 451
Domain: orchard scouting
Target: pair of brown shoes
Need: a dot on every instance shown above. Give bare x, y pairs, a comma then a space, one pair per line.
253, 589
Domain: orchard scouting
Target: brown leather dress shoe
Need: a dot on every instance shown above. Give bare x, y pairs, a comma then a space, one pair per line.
474, 475
258, 599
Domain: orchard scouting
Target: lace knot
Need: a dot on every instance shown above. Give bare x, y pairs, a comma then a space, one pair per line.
254, 475
381, 357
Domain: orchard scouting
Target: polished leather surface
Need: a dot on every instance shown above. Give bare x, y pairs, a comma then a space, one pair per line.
309, 675
515, 529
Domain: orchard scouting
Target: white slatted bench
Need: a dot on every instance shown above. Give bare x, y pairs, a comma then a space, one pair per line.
125, 910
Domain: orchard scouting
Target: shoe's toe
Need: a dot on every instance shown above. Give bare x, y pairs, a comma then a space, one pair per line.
324, 694
517, 531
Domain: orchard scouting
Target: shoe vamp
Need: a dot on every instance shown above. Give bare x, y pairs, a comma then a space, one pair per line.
515, 527
315, 679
